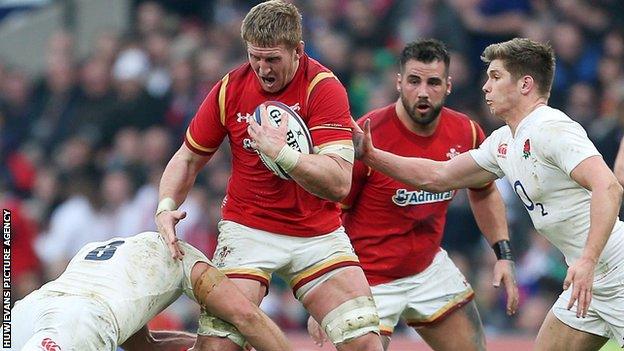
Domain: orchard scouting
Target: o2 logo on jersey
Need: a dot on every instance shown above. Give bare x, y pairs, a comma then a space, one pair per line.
526, 200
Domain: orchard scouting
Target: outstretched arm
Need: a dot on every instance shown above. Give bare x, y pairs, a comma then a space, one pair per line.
177, 179
146, 340
489, 212
435, 176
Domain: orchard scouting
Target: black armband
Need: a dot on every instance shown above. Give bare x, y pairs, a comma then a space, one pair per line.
502, 249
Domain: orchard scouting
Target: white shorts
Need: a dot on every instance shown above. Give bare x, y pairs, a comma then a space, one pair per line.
244, 252
55, 321
605, 316
424, 298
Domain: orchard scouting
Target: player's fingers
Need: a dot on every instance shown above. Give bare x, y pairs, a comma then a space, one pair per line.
283, 126
568, 279
574, 296
264, 116
580, 306
498, 276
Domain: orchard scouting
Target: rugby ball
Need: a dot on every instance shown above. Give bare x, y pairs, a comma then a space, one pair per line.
297, 136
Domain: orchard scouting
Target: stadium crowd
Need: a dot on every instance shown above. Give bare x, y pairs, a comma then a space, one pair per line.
83, 146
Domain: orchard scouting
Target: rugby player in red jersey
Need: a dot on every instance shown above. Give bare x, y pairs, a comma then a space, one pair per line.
396, 229
269, 224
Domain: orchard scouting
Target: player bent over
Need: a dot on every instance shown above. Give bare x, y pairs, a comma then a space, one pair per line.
111, 289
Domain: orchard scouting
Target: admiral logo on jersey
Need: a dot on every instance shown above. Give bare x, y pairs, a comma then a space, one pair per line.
403, 197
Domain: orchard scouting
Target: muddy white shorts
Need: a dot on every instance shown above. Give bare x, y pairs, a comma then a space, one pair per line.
244, 252
59, 322
424, 298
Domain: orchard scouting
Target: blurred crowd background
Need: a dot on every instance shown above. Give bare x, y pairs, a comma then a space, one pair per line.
85, 138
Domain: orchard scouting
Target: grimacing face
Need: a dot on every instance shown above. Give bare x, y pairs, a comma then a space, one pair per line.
501, 90
274, 66
423, 88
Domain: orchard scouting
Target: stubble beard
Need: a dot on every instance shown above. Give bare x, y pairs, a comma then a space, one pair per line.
422, 119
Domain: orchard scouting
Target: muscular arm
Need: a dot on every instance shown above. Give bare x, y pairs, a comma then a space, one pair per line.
177, 179
180, 173
618, 167
594, 175
326, 176
146, 340
489, 212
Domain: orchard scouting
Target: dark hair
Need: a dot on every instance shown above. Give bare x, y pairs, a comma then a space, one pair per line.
427, 51
525, 57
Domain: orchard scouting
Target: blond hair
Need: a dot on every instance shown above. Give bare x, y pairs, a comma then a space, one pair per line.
273, 23
525, 57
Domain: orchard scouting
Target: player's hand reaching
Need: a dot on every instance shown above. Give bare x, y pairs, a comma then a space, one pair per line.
165, 222
316, 332
581, 277
363, 141
505, 272
264, 136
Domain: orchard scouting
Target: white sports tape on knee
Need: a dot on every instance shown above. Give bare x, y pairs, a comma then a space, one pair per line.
213, 326
352, 319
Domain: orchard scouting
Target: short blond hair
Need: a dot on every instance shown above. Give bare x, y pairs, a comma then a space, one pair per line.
522, 56
273, 23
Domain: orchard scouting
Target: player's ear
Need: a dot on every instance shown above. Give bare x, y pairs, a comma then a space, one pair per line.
526, 84
449, 85
398, 82
299, 49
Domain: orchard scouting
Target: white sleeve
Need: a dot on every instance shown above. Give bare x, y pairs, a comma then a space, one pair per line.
564, 144
485, 155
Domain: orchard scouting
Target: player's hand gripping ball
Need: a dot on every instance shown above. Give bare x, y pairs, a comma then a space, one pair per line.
297, 135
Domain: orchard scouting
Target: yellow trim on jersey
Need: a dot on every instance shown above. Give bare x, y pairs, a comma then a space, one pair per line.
319, 77
247, 271
196, 145
224, 82
474, 134
348, 129
451, 304
344, 142
313, 270
386, 329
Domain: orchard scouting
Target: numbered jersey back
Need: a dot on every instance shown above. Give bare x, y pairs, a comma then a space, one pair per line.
135, 276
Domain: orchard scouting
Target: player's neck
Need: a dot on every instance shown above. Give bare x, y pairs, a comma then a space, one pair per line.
521, 112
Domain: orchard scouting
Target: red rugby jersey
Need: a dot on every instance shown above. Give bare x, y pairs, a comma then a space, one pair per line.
256, 197
396, 230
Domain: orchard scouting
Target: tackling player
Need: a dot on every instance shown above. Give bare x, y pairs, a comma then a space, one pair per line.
411, 277
271, 224
570, 193
111, 289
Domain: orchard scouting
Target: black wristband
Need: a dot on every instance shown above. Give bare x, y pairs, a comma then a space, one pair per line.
502, 249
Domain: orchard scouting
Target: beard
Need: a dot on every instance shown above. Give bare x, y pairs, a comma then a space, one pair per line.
426, 118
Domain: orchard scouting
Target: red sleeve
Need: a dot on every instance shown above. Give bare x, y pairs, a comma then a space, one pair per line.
206, 132
358, 179
330, 117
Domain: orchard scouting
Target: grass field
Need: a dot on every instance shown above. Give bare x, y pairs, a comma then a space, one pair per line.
302, 342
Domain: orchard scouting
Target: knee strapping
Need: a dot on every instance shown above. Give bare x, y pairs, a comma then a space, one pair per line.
208, 280
213, 326
352, 319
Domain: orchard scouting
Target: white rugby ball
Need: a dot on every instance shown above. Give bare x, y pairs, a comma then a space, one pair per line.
297, 136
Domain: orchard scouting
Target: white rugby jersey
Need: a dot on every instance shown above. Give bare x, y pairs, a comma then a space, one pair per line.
134, 276
538, 161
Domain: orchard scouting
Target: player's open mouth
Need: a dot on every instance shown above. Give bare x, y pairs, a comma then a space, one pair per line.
423, 107
268, 80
